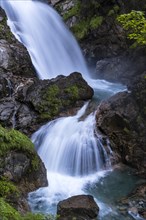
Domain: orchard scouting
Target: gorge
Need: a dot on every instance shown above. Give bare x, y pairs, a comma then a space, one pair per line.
84, 130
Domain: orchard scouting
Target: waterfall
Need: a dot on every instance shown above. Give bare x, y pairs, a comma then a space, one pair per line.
71, 146
52, 48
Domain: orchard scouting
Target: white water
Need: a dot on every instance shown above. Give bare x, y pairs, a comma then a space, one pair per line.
69, 147
53, 49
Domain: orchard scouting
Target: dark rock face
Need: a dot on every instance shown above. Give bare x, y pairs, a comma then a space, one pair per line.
122, 68
14, 59
81, 207
120, 118
30, 102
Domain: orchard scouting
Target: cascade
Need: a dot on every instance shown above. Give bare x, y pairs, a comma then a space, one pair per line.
70, 147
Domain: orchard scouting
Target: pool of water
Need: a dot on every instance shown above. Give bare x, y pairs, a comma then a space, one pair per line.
107, 188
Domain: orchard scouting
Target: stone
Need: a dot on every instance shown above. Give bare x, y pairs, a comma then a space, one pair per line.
120, 118
81, 207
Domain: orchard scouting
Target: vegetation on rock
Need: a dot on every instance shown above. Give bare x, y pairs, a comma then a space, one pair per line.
14, 140
7, 212
135, 25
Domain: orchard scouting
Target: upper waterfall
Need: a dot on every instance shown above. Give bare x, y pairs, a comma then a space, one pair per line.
52, 47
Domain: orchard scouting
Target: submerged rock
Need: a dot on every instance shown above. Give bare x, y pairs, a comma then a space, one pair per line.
81, 207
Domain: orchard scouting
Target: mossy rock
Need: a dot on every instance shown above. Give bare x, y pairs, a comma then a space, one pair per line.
7, 212
14, 140
51, 97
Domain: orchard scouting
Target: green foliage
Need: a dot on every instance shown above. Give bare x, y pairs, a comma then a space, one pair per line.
14, 140
135, 25
8, 189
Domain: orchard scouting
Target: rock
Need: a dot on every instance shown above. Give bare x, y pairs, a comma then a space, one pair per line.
54, 96
122, 68
18, 64
120, 119
21, 170
81, 207
27, 103
136, 201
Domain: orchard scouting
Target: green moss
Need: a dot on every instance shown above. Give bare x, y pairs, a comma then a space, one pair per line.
14, 140
80, 29
8, 189
74, 11
50, 101
96, 22
5, 32
73, 92
7, 212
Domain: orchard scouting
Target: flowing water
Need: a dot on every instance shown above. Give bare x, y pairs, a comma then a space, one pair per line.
71, 148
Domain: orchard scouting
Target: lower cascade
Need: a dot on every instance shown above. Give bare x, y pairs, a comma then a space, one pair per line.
71, 146
74, 155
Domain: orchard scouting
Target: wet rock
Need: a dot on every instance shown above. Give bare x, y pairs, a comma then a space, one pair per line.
27, 103
122, 68
135, 202
120, 119
21, 169
81, 207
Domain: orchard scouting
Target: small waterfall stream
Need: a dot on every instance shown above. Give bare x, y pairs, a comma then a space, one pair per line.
71, 148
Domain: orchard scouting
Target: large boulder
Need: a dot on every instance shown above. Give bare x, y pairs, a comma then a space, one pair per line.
27, 103
81, 207
122, 119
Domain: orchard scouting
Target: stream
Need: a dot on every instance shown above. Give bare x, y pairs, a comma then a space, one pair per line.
71, 148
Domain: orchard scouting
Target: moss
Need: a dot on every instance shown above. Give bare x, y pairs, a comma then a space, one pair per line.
7, 212
96, 22
74, 11
85, 14
14, 140
73, 92
50, 102
80, 29
5, 32
8, 189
